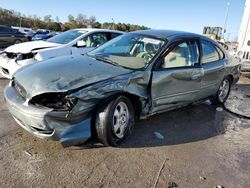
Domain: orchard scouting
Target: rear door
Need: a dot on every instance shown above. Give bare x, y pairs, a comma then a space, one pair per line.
213, 62
177, 78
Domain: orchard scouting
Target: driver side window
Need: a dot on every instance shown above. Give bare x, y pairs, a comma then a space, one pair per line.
95, 40
185, 54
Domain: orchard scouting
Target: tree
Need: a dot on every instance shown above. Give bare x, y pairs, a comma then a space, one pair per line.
48, 18
81, 21
97, 25
57, 19
12, 18
72, 22
91, 21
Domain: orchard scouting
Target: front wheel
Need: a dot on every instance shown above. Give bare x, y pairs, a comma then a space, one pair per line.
223, 92
17, 41
115, 121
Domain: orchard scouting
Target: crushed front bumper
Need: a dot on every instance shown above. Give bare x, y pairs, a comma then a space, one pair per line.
9, 66
45, 123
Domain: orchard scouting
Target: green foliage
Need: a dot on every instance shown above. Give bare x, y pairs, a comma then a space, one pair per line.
122, 26
12, 18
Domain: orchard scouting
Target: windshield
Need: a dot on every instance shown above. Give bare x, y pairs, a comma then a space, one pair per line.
130, 51
66, 36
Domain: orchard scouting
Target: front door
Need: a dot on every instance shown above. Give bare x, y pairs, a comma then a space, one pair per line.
177, 80
92, 41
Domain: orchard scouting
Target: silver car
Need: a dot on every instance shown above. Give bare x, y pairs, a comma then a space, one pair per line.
135, 75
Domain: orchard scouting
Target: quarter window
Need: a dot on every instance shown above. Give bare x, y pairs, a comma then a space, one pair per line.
209, 53
185, 54
222, 55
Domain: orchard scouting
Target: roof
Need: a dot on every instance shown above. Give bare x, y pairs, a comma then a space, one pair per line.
97, 29
164, 34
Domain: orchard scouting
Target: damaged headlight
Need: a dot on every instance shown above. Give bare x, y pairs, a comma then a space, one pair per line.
20, 56
56, 101
3, 54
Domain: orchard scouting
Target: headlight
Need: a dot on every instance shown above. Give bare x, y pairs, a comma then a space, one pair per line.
56, 101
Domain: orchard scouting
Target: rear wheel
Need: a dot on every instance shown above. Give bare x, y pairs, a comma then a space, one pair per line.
223, 92
115, 121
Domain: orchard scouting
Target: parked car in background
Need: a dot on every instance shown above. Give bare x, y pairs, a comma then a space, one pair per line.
43, 34
29, 33
137, 74
9, 36
76, 41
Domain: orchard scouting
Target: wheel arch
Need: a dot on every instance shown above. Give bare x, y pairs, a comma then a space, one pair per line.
135, 100
231, 78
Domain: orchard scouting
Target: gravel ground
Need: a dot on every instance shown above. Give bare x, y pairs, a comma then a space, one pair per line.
202, 147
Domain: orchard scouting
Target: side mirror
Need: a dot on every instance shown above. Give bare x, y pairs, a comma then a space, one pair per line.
81, 43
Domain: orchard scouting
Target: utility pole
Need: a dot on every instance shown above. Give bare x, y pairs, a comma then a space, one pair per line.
228, 36
225, 23
113, 23
20, 22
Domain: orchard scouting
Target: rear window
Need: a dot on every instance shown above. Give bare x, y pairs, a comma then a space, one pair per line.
209, 53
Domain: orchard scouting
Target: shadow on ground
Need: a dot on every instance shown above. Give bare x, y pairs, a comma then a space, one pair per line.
189, 124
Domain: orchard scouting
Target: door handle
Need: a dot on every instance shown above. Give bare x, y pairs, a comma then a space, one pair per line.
195, 76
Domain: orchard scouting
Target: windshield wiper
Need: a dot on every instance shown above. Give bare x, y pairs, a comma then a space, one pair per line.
106, 60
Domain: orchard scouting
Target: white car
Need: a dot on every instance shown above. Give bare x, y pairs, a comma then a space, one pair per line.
75, 41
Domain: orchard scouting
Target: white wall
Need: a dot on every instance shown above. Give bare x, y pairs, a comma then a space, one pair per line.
245, 26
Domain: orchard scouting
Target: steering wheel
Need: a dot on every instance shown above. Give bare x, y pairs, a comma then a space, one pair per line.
145, 55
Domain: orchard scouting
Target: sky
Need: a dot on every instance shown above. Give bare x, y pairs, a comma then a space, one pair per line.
185, 15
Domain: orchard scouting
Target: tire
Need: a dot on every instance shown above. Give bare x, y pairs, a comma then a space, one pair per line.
112, 117
223, 92
17, 41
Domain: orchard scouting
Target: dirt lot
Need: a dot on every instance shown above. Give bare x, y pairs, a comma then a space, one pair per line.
202, 147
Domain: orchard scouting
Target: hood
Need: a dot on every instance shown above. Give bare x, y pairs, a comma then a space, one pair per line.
27, 47
65, 73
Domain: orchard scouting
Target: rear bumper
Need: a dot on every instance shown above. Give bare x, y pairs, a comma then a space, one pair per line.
45, 123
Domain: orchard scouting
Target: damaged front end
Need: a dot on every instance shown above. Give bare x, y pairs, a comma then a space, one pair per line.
49, 115
18, 56
10, 62
60, 105
55, 101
